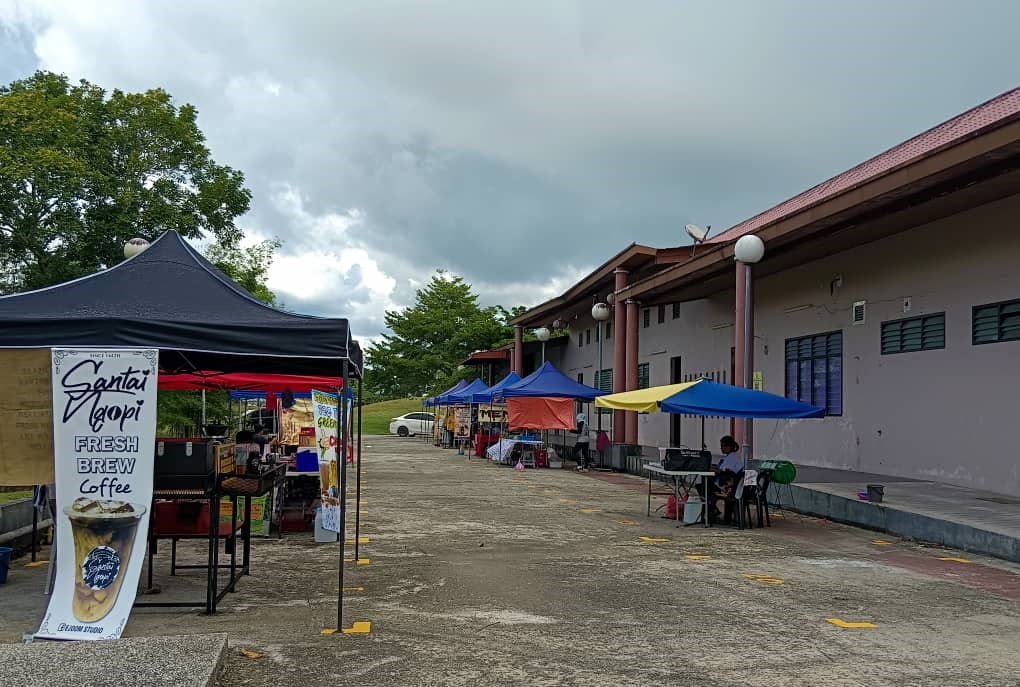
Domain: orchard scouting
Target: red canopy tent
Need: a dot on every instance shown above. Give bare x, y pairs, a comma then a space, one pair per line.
241, 381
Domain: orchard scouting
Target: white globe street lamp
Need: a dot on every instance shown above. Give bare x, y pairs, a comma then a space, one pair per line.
749, 250
134, 247
601, 312
543, 334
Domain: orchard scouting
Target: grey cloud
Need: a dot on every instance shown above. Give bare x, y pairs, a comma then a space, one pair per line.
513, 143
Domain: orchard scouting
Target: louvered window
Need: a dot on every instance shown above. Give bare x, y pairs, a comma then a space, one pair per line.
996, 322
925, 333
814, 371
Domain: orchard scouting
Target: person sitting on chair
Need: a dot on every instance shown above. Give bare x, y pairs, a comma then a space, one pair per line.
725, 480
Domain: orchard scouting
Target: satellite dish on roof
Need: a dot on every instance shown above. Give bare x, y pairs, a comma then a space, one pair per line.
697, 233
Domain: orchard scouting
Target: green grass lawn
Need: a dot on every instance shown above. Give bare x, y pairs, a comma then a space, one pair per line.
376, 417
6, 496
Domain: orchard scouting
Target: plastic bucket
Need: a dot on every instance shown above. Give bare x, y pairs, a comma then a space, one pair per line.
5, 562
323, 536
692, 509
875, 493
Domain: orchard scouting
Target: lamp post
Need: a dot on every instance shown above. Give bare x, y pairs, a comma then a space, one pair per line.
134, 247
748, 250
542, 334
600, 313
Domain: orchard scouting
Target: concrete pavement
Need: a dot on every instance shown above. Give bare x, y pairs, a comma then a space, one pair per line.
479, 574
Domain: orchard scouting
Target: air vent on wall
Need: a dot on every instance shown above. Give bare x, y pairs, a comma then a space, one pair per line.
858, 312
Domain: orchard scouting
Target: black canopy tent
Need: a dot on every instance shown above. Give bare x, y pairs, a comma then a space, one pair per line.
171, 298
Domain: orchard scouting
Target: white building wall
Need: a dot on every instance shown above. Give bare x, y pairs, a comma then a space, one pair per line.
948, 415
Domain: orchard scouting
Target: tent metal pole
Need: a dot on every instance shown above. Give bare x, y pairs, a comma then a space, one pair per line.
357, 499
342, 402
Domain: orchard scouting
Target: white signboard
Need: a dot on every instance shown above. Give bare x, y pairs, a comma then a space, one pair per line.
104, 433
327, 421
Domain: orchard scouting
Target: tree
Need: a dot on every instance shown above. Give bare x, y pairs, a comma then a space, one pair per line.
249, 267
179, 410
430, 339
82, 171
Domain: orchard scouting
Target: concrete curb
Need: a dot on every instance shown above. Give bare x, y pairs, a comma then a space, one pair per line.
177, 661
884, 518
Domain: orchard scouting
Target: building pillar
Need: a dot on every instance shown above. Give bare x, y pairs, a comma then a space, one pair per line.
619, 355
518, 356
630, 417
738, 340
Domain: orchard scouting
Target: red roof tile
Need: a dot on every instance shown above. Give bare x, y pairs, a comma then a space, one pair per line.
993, 113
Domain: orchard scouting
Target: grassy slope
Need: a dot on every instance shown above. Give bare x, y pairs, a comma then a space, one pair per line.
376, 416
6, 496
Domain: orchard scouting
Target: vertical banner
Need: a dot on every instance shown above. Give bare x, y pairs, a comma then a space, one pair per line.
104, 434
462, 418
327, 423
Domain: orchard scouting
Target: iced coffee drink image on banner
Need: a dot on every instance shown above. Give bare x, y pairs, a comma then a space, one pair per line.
104, 536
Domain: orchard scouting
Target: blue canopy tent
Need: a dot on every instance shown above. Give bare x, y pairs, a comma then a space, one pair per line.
486, 396
706, 398
722, 400
466, 394
436, 400
548, 382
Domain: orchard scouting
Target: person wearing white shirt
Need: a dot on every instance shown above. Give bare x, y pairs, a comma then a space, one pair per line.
726, 474
582, 445
731, 459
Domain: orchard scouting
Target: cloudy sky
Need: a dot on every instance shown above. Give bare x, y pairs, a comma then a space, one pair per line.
520, 143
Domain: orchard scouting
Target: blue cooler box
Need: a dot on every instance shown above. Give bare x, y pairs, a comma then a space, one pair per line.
307, 460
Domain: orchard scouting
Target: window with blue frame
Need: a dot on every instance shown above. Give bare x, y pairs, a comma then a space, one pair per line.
814, 371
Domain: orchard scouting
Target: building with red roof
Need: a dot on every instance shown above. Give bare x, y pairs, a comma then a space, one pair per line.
888, 294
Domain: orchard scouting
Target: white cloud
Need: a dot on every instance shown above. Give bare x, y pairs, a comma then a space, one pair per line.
515, 144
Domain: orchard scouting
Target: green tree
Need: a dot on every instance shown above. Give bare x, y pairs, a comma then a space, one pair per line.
179, 410
249, 267
430, 339
82, 171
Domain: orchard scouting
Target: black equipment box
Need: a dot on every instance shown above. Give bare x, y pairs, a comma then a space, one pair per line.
184, 464
687, 460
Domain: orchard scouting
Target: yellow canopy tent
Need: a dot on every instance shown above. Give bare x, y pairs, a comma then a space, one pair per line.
642, 400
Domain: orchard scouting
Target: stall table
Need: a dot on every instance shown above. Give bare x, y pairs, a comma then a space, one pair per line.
233, 486
678, 479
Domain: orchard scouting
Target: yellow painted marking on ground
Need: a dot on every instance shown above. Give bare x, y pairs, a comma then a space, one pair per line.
695, 557
359, 628
353, 589
591, 510
36, 564
550, 491
765, 579
880, 542
653, 540
328, 631
568, 501
628, 523
360, 561
361, 540
534, 486
853, 626
248, 653
953, 559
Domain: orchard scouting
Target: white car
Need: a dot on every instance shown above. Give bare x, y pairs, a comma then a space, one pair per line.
411, 423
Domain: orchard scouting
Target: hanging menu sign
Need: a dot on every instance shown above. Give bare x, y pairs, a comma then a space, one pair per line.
327, 411
104, 431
